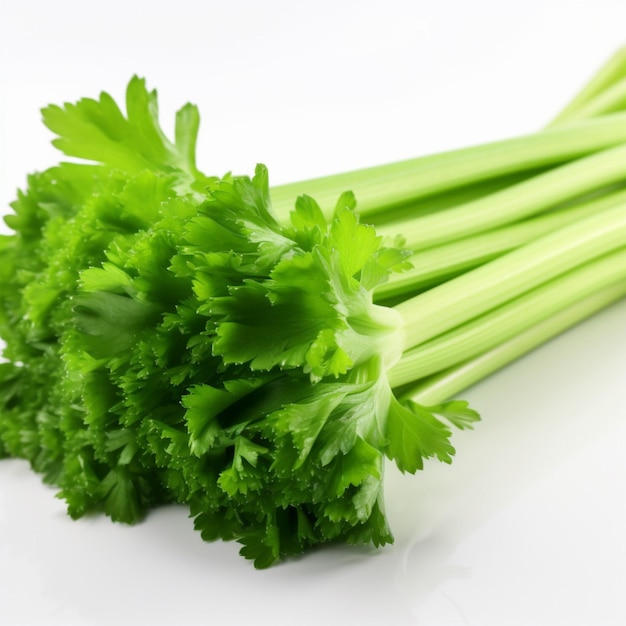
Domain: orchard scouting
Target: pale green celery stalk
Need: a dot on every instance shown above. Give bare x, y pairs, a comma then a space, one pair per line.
612, 72
451, 197
480, 290
504, 323
446, 171
611, 100
516, 202
436, 389
391, 187
434, 265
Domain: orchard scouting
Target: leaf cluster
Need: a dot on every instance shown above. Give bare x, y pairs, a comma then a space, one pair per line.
169, 340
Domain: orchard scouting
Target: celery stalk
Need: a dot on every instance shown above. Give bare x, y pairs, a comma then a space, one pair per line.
434, 265
442, 308
446, 384
612, 72
516, 202
393, 186
507, 321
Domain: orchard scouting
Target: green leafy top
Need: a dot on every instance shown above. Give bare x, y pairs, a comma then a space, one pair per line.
171, 340
96, 130
286, 297
285, 390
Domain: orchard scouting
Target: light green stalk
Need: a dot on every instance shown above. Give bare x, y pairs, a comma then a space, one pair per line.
446, 384
443, 308
393, 186
504, 323
611, 100
603, 81
434, 265
516, 202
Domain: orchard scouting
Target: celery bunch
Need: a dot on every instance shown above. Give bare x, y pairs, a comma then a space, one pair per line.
256, 353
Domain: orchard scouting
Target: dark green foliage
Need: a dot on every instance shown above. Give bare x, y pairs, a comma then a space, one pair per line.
168, 340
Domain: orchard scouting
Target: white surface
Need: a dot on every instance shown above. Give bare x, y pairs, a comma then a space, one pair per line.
527, 525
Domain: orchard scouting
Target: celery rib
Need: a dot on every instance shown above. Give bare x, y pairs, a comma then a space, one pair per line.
446, 384
504, 323
517, 202
391, 186
434, 265
604, 79
611, 100
442, 308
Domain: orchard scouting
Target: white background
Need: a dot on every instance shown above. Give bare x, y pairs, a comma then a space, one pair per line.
527, 525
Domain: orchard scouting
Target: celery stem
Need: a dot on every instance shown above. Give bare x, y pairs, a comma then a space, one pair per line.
444, 385
388, 187
610, 73
611, 100
517, 202
434, 265
504, 323
442, 308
